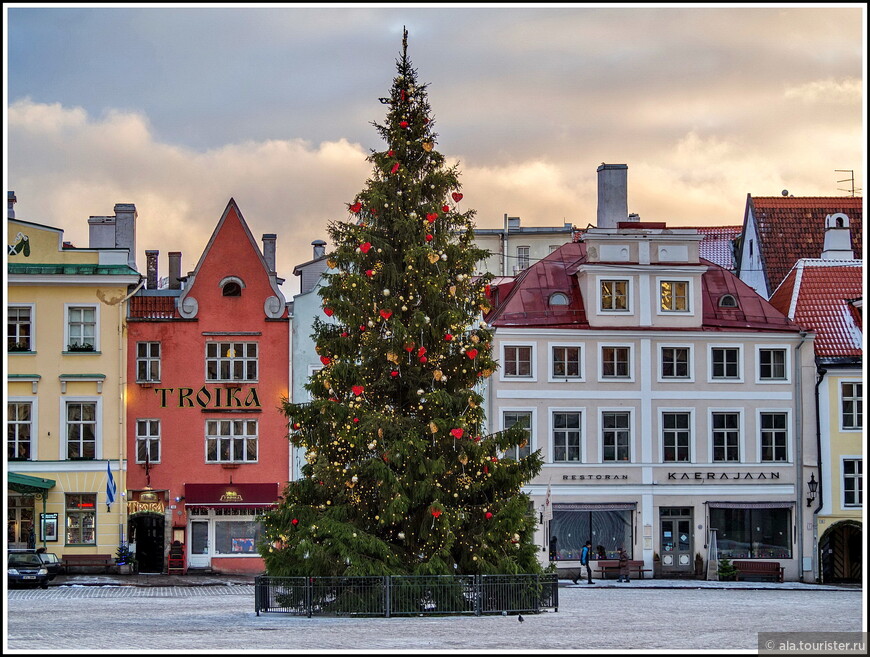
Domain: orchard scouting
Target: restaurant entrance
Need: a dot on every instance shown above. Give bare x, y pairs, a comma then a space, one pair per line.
675, 539
146, 530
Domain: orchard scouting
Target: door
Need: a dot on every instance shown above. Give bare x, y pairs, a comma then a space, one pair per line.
676, 541
19, 523
198, 557
841, 553
147, 530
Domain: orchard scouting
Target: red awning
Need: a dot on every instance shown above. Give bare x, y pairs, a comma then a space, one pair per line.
230, 495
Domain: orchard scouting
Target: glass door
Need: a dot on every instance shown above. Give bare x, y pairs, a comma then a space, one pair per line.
676, 541
198, 557
19, 523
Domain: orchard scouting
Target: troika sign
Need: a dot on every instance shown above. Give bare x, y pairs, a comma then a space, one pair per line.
215, 397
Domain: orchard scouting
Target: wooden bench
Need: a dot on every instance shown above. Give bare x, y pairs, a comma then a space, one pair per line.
760, 568
105, 561
605, 566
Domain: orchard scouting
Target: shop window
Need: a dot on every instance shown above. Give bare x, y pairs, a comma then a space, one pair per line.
566, 436
237, 536
81, 430
749, 533
231, 361
81, 519
148, 361
726, 437
616, 436
19, 430
148, 441
851, 398
523, 419
19, 325
231, 441
853, 485
675, 362
614, 295
517, 361
774, 437
607, 529
676, 437
566, 362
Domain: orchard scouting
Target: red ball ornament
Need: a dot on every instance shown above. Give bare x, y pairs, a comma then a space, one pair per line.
403, 124
488, 515
295, 521
445, 208
423, 359
344, 334
394, 373
370, 272
355, 420
356, 207
448, 337
365, 246
431, 217
390, 153
429, 238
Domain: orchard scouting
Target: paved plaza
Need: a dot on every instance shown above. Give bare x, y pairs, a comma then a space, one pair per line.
221, 617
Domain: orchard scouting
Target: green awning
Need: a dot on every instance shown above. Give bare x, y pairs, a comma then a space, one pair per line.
29, 485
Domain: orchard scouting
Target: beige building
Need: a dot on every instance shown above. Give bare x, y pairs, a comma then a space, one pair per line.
66, 356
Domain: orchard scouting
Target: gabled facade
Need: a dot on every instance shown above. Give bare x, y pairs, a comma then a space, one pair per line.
779, 230
826, 296
670, 403
66, 317
208, 369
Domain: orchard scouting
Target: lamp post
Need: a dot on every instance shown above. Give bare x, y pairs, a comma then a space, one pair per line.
813, 486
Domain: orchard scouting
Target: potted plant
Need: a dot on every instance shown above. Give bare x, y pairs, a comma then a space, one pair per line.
23, 345
124, 559
76, 346
726, 571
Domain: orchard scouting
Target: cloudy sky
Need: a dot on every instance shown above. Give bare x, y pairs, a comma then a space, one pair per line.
180, 109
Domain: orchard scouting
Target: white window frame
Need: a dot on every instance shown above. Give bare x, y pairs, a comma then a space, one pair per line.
631, 432
532, 423
661, 441
524, 255
150, 438
690, 296
244, 359
551, 362
741, 365
691, 363
533, 376
840, 399
616, 345
32, 308
787, 365
843, 459
629, 293
230, 437
741, 437
98, 428
34, 423
552, 433
148, 359
66, 322
789, 433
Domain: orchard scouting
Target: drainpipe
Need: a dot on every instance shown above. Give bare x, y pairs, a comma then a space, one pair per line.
799, 453
504, 237
817, 565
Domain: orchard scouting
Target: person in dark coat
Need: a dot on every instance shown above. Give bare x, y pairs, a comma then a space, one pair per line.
623, 566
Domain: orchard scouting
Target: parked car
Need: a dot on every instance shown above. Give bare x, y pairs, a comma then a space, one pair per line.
26, 568
53, 563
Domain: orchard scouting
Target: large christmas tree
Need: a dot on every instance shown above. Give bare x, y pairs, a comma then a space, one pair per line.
399, 477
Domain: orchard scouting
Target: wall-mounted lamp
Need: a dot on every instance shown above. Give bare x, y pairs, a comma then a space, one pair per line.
813, 486
178, 499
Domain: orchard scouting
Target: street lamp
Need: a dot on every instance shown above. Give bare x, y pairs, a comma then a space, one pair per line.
813, 486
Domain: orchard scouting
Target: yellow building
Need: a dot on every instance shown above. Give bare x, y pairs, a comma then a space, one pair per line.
66, 356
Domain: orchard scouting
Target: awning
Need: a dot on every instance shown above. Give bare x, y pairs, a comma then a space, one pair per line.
231, 496
590, 506
29, 485
750, 505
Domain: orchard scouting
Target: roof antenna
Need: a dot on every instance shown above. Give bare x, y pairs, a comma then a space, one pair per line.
850, 180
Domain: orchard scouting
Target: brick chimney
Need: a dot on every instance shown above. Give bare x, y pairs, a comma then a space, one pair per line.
174, 270
151, 269
612, 195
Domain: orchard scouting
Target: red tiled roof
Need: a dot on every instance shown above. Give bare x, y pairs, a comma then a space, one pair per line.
817, 293
527, 303
791, 228
718, 244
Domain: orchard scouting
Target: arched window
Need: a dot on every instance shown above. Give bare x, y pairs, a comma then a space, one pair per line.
727, 301
232, 286
558, 299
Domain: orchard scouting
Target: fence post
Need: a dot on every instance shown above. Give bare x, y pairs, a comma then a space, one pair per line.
308, 596
388, 585
478, 593
257, 594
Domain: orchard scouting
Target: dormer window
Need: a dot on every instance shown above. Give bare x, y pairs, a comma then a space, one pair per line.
727, 301
558, 299
232, 286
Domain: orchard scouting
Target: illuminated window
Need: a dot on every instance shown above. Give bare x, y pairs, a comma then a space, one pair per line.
614, 295
674, 296
81, 519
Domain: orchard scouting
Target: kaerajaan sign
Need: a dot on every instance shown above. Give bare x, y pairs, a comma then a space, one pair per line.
681, 476
216, 397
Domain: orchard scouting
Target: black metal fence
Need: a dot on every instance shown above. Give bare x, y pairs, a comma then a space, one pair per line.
401, 595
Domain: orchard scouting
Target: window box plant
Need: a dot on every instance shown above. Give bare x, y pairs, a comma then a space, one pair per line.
22, 345
76, 346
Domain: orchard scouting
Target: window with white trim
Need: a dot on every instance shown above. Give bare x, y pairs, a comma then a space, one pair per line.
147, 441
725, 362
726, 436
615, 362
81, 430
774, 436
231, 361
148, 361
81, 328
566, 362
231, 441
517, 361
19, 431
81, 518
19, 327
853, 484
674, 296
851, 398
771, 364
614, 295
566, 436
522, 258
616, 436
675, 362
676, 437
523, 419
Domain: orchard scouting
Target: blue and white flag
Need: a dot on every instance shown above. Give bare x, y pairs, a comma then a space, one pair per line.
110, 486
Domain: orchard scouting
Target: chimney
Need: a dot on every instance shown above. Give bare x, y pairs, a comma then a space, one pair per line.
612, 194
125, 230
269, 251
319, 248
174, 270
10, 202
838, 238
151, 269
101, 232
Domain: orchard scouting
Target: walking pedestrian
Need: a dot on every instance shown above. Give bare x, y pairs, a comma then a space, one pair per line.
584, 561
623, 565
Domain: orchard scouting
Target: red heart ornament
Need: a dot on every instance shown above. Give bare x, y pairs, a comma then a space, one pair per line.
365, 246
386, 314
395, 168
436, 512
358, 390
328, 312
356, 207
370, 272
394, 373
326, 360
344, 334
431, 217
294, 521
471, 353
457, 433
488, 515
390, 153
423, 359
456, 196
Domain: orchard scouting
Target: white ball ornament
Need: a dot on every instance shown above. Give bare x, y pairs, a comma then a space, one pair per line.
444, 256
386, 292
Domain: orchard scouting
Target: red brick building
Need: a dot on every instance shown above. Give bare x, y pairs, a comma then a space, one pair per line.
208, 367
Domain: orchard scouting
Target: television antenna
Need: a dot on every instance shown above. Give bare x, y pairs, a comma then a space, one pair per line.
850, 180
